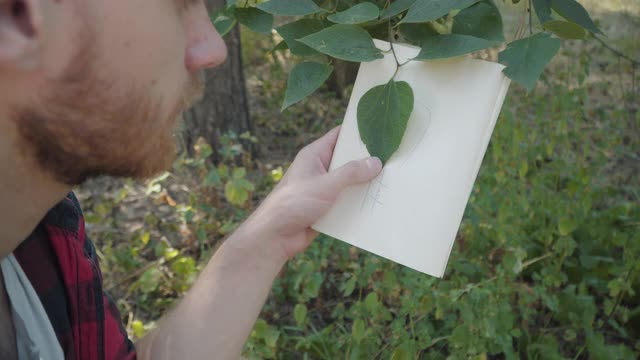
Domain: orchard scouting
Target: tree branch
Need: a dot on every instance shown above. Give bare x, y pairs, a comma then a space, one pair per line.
617, 52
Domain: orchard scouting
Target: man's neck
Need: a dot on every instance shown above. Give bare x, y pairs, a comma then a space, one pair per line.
26, 192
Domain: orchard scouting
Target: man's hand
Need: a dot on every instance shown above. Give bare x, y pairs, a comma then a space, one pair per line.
216, 316
306, 193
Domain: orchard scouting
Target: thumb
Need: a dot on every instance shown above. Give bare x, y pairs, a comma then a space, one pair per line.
353, 173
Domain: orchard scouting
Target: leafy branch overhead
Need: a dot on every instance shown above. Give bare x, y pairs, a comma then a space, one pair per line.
320, 31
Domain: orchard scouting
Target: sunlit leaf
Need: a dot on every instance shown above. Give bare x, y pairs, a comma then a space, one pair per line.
565, 29
138, 328
235, 193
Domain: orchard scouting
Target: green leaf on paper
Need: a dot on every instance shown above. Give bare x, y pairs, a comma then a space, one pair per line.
345, 42
290, 7
527, 58
543, 10
481, 20
356, 14
383, 113
296, 30
451, 45
396, 8
574, 12
565, 29
304, 79
255, 19
429, 10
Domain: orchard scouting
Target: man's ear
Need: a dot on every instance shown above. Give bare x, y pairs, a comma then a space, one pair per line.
20, 33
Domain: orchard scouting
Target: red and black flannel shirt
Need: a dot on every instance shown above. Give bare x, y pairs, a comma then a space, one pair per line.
61, 263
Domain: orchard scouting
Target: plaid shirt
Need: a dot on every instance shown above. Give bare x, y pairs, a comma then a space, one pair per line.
61, 263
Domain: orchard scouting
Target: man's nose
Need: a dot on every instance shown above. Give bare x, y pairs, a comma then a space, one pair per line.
206, 47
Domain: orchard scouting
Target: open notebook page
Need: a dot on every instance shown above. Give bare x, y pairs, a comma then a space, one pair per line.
411, 213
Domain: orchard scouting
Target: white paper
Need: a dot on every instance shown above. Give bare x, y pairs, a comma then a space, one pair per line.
411, 213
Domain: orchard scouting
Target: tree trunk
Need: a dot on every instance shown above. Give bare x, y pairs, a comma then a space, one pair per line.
225, 106
344, 74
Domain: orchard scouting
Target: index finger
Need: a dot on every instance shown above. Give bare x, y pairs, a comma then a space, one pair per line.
323, 147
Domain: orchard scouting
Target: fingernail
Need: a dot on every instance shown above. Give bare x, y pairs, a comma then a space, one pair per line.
374, 164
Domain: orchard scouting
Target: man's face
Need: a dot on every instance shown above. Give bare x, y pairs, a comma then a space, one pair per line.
108, 83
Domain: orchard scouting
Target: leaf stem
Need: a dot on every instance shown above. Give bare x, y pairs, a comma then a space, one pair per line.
393, 50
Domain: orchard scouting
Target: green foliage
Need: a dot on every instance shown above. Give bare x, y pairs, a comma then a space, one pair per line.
546, 243
290, 7
293, 31
565, 29
481, 20
442, 28
542, 9
429, 10
255, 19
526, 58
395, 8
345, 42
545, 265
356, 14
576, 13
223, 20
451, 45
305, 78
383, 113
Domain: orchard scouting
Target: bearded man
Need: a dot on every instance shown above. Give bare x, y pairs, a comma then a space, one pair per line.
95, 87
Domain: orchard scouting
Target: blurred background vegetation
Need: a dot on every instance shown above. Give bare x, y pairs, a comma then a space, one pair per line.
546, 264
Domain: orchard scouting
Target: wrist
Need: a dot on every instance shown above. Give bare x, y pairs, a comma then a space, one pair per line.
258, 244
